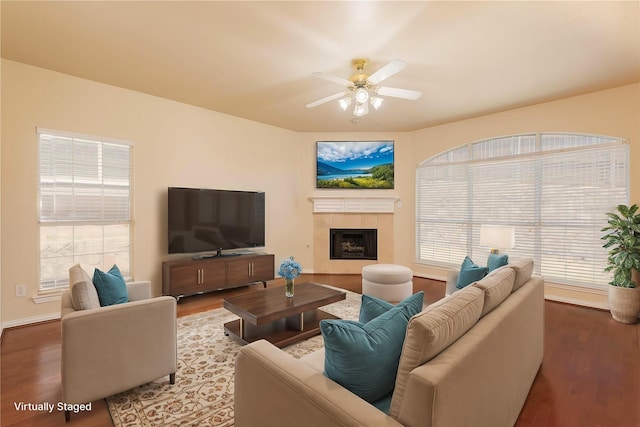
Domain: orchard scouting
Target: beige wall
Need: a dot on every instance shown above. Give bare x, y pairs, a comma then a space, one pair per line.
174, 145
0, 189
177, 144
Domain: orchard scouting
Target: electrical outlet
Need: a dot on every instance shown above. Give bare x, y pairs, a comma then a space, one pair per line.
21, 291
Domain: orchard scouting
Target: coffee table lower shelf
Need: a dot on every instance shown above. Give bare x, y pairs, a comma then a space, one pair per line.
281, 332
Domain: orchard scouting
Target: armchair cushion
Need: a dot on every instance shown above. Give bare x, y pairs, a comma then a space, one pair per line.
110, 286
84, 295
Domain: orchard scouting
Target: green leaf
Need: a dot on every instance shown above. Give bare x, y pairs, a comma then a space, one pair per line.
624, 210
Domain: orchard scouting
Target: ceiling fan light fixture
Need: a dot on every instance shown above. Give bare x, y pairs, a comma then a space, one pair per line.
362, 95
376, 102
344, 103
364, 89
361, 109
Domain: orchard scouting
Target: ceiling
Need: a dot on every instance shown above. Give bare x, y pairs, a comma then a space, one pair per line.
254, 59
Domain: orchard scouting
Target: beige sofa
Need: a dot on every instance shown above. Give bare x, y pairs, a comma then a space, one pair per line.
467, 360
107, 350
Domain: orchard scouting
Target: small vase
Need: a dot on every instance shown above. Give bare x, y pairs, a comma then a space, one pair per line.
288, 288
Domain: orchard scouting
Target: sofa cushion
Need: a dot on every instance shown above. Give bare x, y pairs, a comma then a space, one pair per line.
496, 261
111, 286
363, 358
372, 307
469, 273
524, 269
497, 287
84, 295
432, 331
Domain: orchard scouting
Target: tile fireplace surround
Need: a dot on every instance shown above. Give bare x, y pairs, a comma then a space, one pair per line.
352, 212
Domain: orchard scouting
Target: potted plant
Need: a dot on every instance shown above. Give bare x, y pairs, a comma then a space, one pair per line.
622, 238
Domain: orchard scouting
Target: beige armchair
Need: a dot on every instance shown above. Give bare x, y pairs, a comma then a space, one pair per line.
111, 349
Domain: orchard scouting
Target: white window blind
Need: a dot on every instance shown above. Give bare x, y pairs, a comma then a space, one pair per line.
85, 196
554, 189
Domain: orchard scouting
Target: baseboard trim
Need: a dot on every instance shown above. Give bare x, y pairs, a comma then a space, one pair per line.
430, 276
575, 301
590, 295
29, 321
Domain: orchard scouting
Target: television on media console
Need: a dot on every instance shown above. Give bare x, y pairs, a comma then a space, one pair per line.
207, 220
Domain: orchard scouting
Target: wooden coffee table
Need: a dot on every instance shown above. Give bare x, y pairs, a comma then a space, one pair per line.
269, 314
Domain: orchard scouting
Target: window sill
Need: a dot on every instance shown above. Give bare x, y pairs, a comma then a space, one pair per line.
47, 296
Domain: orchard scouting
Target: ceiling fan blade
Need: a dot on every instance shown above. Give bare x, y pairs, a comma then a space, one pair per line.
387, 71
399, 93
326, 99
334, 79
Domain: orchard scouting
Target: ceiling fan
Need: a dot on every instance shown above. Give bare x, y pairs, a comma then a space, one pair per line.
363, 88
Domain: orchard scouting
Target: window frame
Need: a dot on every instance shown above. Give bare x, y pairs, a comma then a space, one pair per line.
540, 147
112, 217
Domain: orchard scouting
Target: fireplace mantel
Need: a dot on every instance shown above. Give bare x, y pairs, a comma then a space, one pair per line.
353, 204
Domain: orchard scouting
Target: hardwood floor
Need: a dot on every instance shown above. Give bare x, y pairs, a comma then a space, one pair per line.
590, 376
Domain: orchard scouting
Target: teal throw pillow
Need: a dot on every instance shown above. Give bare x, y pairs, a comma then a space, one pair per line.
372, 307
363, 358
496, 261
384, 404
110, 286
469, 273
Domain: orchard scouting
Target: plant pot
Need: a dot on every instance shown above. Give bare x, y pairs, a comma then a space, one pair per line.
635, 277
624, 304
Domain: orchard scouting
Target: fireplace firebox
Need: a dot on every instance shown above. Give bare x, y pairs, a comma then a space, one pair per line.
353, 243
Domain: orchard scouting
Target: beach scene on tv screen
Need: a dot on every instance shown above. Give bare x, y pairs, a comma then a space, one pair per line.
354, 164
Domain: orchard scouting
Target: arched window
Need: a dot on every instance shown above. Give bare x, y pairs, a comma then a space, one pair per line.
554, 189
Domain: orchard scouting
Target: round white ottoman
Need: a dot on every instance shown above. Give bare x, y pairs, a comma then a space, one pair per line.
389, 282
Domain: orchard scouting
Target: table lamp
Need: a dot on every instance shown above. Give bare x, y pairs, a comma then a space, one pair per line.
497, 237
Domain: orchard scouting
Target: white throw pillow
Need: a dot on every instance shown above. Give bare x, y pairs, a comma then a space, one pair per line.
84, 295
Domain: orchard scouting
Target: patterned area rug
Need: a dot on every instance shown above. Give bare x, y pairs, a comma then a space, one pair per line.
203, 393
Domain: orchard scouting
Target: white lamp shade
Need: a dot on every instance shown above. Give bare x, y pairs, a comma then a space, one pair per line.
361, 109
344, 103
376, 102
362, 95
497, 236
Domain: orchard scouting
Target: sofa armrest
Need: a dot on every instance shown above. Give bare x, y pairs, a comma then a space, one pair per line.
452, 280
110, 349
274, 388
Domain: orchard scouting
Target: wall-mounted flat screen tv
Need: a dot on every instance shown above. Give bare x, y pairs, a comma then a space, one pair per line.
204, 220
354, 164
